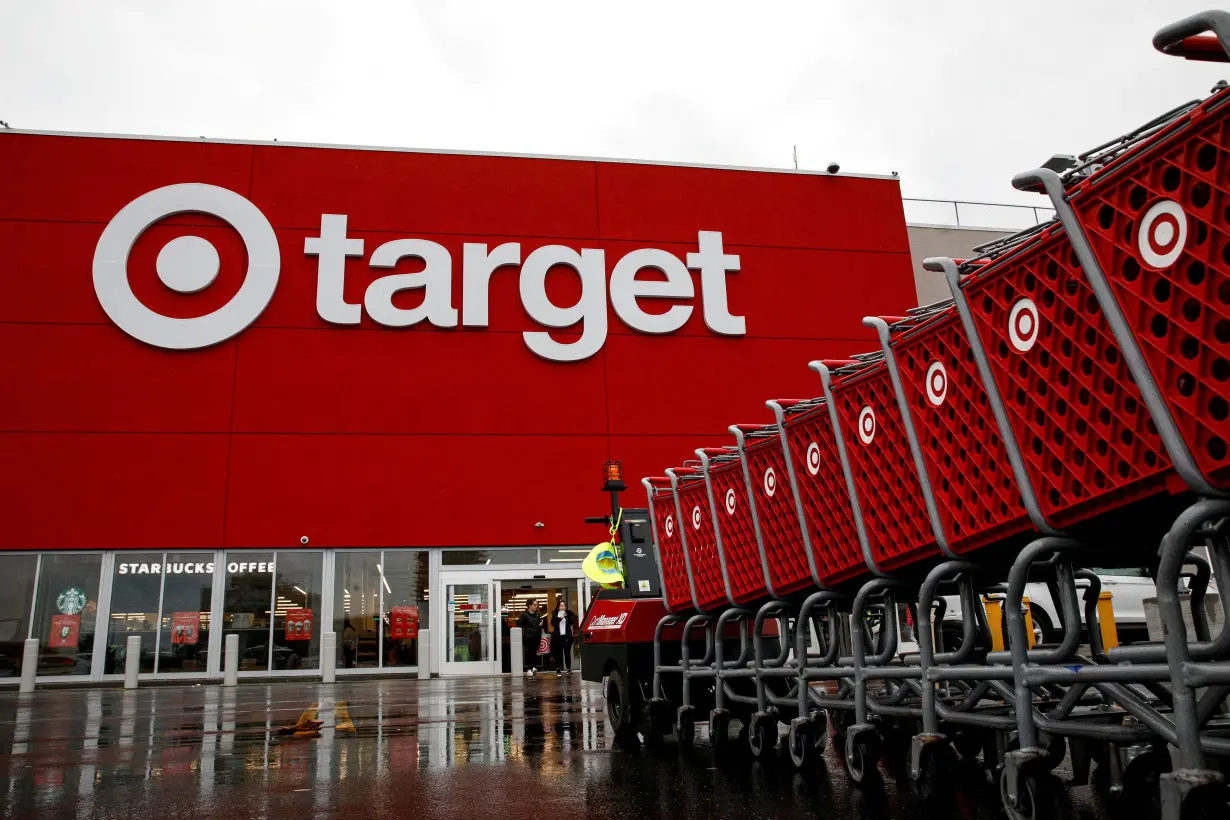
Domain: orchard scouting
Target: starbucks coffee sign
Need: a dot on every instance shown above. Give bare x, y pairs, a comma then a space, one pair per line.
71, 601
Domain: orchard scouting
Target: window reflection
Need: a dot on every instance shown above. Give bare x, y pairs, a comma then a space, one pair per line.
135, 587
296, 626
247, 595
188, 581
66, 613
16, 592
356, 602
405, 605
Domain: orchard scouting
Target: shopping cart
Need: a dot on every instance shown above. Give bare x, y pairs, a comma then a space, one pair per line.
1068, 409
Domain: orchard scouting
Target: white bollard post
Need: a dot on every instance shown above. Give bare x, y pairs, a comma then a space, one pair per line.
132, 661
516, 652
328, 657
424, 654
29, 665
230, 675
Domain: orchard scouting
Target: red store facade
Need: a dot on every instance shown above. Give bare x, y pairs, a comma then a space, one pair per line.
280, 390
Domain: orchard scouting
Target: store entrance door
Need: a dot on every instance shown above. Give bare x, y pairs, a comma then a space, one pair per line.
470, 637
481, 606
515, 596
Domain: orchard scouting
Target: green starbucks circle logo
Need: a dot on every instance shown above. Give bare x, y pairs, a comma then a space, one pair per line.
71, 601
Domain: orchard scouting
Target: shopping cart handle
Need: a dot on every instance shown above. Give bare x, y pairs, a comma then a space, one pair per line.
1182, 39
786, 403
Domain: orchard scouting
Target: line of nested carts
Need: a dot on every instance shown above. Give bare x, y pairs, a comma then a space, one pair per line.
1067, 409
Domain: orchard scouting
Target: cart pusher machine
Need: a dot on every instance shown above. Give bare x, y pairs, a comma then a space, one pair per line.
1068, 409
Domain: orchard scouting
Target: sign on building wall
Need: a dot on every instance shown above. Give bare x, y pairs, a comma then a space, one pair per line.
404, 623
242, 346
185, 627
299, 625
64, 631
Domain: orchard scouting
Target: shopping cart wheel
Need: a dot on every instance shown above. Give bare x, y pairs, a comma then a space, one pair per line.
862, 752
937, 763
1056, 750
762, 735
805, 740
1036, 797
719, 730
685, 725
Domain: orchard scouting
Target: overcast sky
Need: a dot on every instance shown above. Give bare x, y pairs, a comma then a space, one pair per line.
955, 96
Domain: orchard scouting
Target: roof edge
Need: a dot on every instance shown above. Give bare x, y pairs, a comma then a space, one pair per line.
443, 151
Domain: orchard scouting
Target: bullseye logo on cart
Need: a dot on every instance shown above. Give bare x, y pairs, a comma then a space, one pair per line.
189, 264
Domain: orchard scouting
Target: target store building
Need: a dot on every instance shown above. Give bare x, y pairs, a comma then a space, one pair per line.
278, 390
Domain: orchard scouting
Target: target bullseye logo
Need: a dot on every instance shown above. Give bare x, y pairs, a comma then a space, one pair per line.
770, 482
866, 425
813, 458
670, 526
1023, 325
696, 517
731, 501
937, 383
1163, 233
187, 264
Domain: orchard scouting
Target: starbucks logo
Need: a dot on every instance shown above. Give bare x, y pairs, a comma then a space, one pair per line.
71, 601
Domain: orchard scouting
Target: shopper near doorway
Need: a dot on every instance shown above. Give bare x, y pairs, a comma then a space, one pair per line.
564, 626
531, 633
350, 645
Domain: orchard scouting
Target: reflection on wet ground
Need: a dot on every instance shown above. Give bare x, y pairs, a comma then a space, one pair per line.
474, 748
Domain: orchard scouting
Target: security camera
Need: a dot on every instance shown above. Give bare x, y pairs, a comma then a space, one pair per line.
304, 540
833, 168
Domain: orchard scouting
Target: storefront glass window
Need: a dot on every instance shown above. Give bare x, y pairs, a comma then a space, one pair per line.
16, 591
296, 617
488, 557
65, 613
565, 555
246, 598
188, 580
356, 603
405, 606
135, 587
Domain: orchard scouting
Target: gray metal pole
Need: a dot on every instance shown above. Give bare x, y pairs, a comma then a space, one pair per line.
230, 677
516, 659
328, 657
29, 665
424, 654
132, 661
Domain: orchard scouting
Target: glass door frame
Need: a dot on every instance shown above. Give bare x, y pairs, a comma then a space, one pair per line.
495, 577
449, 667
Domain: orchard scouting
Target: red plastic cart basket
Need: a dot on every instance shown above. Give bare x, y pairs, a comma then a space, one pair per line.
969, 489
827, 522
774, 511
743, 569
1151, 231
668, 546
698, 537
881, 466
1077, 432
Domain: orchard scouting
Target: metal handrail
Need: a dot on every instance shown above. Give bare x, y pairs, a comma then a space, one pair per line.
1038, 214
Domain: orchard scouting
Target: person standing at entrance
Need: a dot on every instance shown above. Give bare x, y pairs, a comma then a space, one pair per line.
531, 633
564, 624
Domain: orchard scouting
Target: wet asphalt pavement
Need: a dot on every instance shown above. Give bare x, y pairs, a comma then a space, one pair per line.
474, 748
